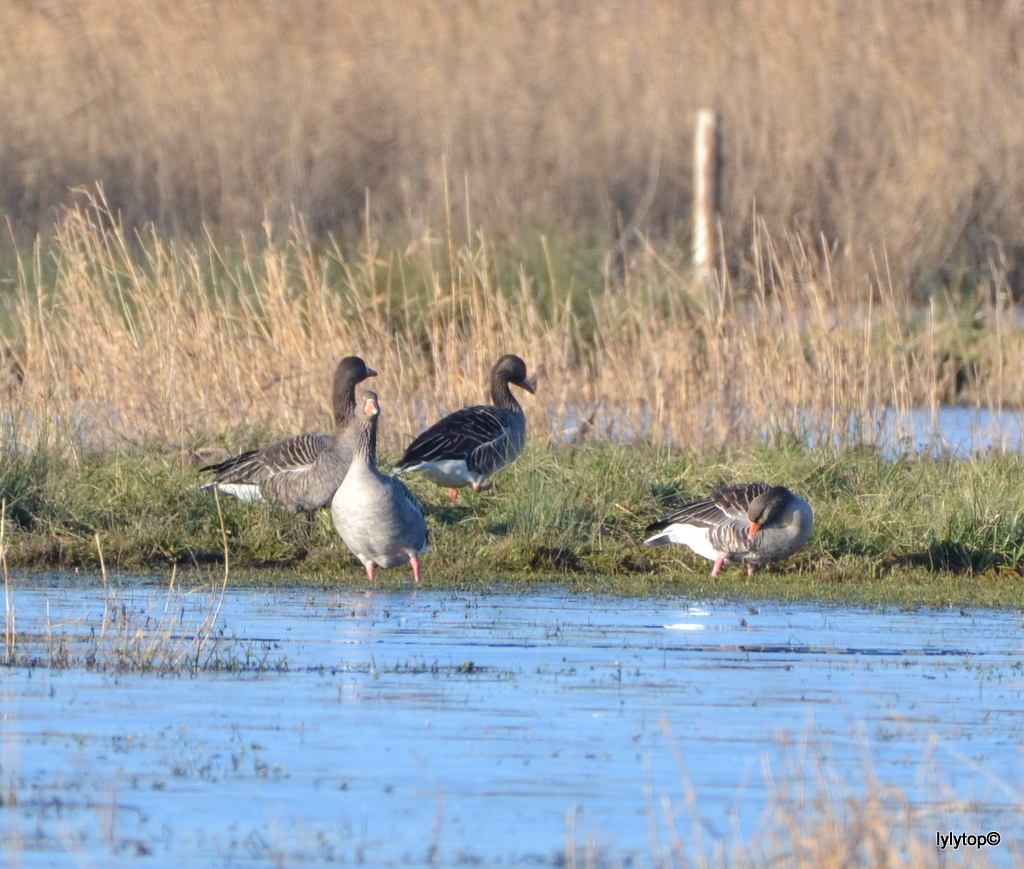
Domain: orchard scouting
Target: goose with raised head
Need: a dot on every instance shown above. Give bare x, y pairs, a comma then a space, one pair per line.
753, 523
376, 515
304, 471
468, 446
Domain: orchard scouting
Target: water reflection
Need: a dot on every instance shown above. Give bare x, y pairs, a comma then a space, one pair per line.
944, 430
958, 431
428, 728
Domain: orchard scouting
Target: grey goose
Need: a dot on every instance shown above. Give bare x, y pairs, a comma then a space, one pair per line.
753, 523
304, 471
468, 446
376, 515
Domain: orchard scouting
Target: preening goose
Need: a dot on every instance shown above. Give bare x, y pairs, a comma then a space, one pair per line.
752, 523
376, 515
468, 446
304, 471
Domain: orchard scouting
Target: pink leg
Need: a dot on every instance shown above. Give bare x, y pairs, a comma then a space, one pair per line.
453, 493
415, 562
751, 568
369, 569
718, 566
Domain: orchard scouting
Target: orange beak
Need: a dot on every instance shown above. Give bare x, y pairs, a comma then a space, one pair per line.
754, 528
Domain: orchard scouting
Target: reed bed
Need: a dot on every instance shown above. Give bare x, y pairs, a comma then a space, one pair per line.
130, 359
115, 339
886, 129
219, 200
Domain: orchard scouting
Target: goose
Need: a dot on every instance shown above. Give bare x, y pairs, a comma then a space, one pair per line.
753, 523
376, 515
304, 471
468, 446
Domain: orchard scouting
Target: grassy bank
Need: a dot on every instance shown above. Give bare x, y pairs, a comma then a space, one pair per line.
906, 531
129, 360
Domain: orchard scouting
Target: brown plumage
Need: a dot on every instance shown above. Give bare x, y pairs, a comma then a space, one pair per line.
304, 471
468, 446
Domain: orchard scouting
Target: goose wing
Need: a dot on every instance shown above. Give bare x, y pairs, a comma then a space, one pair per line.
735, 501
721, 508
469, 434
410, 507
294, 455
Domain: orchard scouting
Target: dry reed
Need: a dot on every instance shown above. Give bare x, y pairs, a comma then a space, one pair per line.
129, 340
817, 817
10, 629
178, 632
368, 143
888, 129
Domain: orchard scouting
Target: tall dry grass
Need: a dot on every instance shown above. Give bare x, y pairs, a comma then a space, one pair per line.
115, 339
886, 128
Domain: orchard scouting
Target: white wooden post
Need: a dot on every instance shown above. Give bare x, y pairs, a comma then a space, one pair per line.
707, 182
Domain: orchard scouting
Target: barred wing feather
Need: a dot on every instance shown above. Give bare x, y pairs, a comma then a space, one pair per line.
294, 454
725, 505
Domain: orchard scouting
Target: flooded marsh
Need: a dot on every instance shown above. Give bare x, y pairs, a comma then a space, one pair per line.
418, 728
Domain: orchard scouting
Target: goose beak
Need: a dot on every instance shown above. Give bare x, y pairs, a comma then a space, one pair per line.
371, 408
754, 528
528, 385
370, 372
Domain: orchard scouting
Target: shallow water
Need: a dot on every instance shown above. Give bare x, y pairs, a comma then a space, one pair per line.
946, 430
954, 430
425, 728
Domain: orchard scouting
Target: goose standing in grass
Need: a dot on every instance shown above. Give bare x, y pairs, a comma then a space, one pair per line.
468, 446
304, 471
376, 515
752, 523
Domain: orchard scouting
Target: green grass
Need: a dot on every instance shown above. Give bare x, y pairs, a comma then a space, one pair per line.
907, 531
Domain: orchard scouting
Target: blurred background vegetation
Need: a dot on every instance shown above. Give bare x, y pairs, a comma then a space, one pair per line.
209, 203
875, 132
